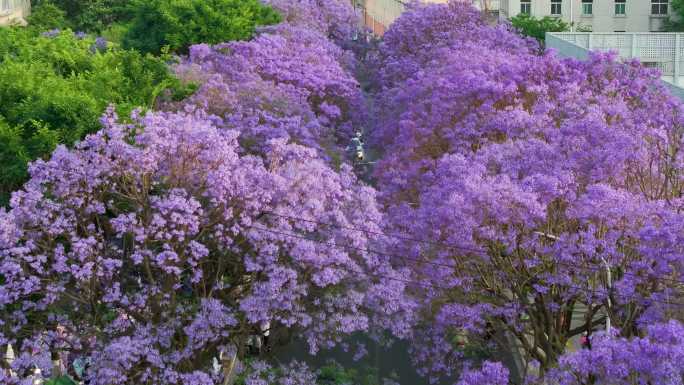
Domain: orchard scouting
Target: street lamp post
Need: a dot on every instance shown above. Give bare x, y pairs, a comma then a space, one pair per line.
572, 16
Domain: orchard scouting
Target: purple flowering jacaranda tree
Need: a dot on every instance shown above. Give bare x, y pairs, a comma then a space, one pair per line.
153, 247
517, 179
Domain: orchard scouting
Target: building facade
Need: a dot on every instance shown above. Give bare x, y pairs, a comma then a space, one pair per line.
596, 15
14, 11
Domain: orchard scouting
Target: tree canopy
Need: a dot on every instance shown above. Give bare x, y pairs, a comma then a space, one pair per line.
518, 203
538, 27
181, 23
54, 87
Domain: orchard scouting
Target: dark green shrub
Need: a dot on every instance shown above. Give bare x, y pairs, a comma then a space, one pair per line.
181, 23
115, 33
54, 90
13, 158
87, 15
675, 23
98, 15
64, 380
47, 16
537, 28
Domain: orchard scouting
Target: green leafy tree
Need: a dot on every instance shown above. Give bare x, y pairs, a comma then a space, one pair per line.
537, 28
86, 15
99, 15
181, 23
13, 158
54, 89
676, 22
47, 16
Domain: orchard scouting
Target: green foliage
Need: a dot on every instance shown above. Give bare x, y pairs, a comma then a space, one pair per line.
54, 90
115, 33
98, 15
583, 28
47, 16
181, 23
472, 347
64, 380
13, 157
335, 374
87, 15
537, 28
676, 23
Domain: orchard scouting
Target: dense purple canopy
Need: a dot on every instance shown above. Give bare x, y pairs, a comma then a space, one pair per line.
522, 176
289, 82
409, 46
653, 359
335, 19
152, 247
509, 181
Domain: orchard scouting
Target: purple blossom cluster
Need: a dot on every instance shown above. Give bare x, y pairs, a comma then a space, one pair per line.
296, 373
152, 247
289, 82
99, 45
510, 183
335, 19
517, 178
492, 373
653, 359
155, 248
51, 33
411, 43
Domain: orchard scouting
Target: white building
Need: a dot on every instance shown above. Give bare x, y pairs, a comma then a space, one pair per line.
14, 11
596, 15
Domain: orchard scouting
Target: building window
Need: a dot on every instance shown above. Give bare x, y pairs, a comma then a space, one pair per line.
587, 7
659, 7
526, 7
620, 7
556, 7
